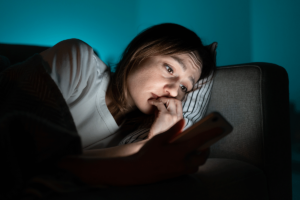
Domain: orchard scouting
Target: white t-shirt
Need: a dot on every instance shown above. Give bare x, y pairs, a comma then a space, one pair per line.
79, 74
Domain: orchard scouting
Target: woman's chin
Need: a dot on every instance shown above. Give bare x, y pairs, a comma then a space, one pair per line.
149, 110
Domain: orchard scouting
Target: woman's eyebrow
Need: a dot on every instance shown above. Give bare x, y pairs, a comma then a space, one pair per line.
182, 65
180, 62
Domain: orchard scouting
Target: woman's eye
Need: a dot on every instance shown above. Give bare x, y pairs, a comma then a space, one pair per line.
183, 88
169, 69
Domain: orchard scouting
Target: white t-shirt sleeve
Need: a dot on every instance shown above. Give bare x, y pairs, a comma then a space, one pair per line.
70, 62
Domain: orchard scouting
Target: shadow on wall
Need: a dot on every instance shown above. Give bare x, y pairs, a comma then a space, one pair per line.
295, 138
295, 125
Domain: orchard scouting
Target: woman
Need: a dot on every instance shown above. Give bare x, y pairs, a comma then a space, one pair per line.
165, 60
157, 69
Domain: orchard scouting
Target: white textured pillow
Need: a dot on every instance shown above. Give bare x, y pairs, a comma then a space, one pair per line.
194, 106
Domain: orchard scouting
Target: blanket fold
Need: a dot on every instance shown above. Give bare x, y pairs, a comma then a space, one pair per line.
36, 126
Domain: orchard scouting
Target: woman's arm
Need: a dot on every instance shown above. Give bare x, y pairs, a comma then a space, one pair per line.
161, 124
100, 171
117, 151
157, 160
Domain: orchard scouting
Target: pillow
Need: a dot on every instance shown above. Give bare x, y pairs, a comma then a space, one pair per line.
194, 105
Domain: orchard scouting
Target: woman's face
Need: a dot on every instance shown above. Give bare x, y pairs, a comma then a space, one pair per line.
161, 76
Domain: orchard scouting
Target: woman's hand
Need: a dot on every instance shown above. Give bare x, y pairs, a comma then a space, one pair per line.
168, 113
157, 160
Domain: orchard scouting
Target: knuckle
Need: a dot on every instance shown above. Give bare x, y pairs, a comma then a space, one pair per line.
177, 101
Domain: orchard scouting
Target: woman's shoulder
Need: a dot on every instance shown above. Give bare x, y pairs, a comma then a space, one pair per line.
77, 52
86, 50
73, 64
74, 45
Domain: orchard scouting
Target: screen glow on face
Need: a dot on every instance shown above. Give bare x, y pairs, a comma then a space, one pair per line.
161, 76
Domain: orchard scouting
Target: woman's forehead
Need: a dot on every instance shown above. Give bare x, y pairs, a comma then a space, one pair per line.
185, 59
187, 63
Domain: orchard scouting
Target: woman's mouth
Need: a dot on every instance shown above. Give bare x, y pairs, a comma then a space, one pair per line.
154, 96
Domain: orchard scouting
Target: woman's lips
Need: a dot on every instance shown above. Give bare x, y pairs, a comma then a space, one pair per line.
154, 96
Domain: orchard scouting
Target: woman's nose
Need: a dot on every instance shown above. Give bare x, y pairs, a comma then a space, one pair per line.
172, 89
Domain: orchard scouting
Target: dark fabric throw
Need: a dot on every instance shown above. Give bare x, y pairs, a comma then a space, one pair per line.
36, 126
4, 63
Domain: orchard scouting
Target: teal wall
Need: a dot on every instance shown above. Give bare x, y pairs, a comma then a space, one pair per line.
276, 39
246, 30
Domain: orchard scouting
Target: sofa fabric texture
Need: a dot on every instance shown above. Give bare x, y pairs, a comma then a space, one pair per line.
254, 99
229, 179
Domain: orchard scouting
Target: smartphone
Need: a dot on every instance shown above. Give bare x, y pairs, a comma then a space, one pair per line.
212, 122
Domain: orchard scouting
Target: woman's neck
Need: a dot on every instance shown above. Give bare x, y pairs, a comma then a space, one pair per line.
116, 115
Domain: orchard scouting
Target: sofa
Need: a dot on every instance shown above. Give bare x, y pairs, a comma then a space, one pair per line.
254, 161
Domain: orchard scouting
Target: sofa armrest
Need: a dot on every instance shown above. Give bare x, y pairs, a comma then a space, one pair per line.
19, 53
254, 98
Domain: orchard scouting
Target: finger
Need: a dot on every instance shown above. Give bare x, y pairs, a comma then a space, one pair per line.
174, 130
196, 155
200, 139
179, 109
171, 107
164, 99
156, 113
159, 104
204, 152
196, 159
170, 104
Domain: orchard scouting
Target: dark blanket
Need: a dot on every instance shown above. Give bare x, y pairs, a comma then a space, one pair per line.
36, 126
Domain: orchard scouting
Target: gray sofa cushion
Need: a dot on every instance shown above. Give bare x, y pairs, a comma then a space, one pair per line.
231, 179
236, 95
254, 98
19, 53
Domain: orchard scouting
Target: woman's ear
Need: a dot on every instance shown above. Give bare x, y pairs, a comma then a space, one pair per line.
213, 47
